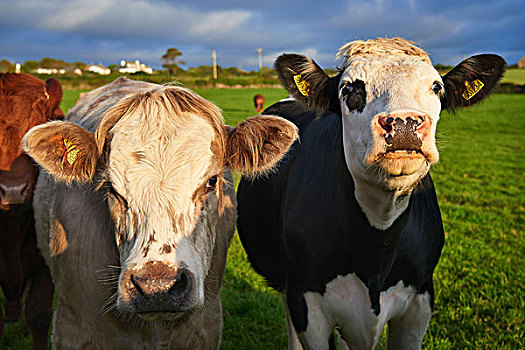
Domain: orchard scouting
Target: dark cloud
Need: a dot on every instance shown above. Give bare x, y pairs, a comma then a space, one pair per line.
107, 31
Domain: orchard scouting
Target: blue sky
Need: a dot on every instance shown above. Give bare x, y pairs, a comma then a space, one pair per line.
107, 31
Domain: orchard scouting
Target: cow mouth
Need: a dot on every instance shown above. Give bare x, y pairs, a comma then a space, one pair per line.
401, 162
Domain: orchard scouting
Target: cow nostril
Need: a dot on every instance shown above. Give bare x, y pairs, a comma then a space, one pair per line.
136, 285
386, 123
25, 190
179, 288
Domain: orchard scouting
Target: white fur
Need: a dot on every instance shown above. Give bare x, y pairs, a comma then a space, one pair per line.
394, 85
346, 305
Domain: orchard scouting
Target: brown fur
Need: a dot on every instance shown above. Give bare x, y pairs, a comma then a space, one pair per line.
256, 144
45, 144
258, 101
25, 101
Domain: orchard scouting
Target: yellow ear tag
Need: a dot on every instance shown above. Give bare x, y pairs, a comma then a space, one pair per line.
72, 151
472, 88
302, 85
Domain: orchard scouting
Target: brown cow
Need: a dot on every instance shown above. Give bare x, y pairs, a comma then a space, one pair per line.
136, 209
258, 101
25, 101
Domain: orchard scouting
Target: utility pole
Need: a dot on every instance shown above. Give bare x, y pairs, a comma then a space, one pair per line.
259, 52
214, 66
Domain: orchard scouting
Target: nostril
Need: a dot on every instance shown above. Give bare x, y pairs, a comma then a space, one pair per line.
386, 123
136, 285
179, 288
25, 190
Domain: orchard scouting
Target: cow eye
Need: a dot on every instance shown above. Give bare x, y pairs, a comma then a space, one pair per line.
346, 90
212, 182
354, 94
116, 196
436, 87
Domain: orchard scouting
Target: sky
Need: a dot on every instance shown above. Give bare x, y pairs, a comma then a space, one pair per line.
106, 31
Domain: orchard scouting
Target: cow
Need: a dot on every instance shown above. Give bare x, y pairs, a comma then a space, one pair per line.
258, 101
25, 101
135, 209
348, 228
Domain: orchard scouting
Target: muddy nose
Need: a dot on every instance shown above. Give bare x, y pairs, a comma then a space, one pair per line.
14, 194
158, 287
403, 132
411, 123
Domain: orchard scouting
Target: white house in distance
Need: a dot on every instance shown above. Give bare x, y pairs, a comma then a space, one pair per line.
50, 71
98, 69
134, 67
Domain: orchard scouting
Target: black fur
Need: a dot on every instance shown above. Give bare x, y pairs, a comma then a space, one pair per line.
302, 226
487, 68
322, 94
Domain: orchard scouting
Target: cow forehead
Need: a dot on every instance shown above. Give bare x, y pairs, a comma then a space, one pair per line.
390, 70
162, 159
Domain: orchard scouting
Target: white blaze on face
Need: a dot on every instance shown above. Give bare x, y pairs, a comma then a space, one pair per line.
157, 164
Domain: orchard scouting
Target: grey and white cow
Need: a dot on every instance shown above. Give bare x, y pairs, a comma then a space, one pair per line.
135, 210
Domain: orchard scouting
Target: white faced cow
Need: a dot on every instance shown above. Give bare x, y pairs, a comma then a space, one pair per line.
135, 210
349, 229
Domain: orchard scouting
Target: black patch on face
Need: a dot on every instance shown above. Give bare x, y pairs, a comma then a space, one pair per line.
354, 95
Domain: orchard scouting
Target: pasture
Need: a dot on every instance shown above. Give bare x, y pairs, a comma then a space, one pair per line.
480, 181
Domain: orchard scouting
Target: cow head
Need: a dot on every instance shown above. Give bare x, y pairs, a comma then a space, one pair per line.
161, 157
389, 97
25, 101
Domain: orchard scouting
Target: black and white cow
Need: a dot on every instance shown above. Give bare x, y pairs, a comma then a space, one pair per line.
349, 229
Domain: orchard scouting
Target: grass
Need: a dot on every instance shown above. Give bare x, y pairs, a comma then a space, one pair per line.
479, 281
515, 76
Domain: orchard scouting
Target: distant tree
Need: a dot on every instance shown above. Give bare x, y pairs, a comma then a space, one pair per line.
30, 65
6, 66
48, 62
171, 60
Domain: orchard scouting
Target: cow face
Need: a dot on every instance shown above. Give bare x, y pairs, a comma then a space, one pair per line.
389, 97
25, 101
161, 159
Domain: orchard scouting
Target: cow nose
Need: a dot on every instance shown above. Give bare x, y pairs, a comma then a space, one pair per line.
174, 285
159, 287
14, 194
406, 123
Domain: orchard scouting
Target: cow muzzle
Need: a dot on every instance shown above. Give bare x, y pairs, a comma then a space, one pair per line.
403, 143
157, 290
14, 193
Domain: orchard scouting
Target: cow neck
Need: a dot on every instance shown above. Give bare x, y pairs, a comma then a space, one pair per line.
382, 207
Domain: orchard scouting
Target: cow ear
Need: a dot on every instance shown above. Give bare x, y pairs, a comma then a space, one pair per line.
471, 81
65, 150
54, 91
258, 143
308, 83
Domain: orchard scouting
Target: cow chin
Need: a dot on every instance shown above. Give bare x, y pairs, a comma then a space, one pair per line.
402, 170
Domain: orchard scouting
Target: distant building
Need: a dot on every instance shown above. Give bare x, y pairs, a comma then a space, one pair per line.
50, 71
77, 71
521, 63
98, 69
134, 67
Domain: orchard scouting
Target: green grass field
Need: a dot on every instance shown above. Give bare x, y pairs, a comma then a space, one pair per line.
479, 282
515, 76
